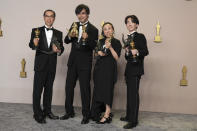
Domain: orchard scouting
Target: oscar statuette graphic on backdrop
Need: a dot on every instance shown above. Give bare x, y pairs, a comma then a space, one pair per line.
1, 32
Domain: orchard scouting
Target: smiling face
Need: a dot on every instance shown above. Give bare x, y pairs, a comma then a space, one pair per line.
49, 18
131, 26
108, 30
83, 16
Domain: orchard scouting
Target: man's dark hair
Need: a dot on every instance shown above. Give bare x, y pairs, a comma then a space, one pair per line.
50, 11
134, 19
80, 7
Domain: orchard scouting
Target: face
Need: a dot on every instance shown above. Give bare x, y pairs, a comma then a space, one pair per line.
49, 18
108, 30
131, 26
83, 16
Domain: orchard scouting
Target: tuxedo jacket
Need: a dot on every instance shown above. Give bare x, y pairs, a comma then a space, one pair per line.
137, 69
82, 55
43, 60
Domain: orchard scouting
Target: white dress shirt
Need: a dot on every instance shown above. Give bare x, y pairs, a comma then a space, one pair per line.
80, 30
49, 35
130, 33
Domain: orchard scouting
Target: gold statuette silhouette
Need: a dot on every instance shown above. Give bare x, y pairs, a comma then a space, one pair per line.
37, 33
184, 82
1, 32
158, 37
23, 74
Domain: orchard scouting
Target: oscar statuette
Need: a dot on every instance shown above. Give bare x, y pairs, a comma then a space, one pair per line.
23, 74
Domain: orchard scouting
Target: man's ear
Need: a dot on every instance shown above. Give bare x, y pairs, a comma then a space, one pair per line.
137, 26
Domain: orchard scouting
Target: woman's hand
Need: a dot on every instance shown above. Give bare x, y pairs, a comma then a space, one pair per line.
101, 53
126, 49
107, 44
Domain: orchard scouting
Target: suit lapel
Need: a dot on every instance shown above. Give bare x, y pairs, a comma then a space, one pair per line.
135, 39
53, 37
88, 27
78, 25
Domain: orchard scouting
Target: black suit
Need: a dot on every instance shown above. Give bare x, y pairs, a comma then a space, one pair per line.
133, 74
45, 69
79, 67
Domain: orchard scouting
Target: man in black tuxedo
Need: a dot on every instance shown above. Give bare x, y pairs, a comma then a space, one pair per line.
48, 45
80, 63
134, 70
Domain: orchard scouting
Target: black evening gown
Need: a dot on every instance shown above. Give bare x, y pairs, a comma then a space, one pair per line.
105, 74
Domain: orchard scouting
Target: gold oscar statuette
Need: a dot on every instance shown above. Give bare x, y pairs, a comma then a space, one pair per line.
37, 33
98, 46
1, 32
101, 36
184, 82
84, 31
135, 59
74, 30
157, 37
132, 44
23, 74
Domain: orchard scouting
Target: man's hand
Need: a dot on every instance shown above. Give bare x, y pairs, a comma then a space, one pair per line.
36, 40
55, 49
134, 52
72, 34
84, 35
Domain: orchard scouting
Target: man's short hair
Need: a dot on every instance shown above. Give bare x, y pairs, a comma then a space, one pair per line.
80, 7
134, 19
50, 11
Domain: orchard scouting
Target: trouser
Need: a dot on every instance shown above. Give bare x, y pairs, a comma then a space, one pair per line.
84, 75
43, 80
132, 98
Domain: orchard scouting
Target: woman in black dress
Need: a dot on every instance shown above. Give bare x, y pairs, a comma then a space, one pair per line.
105, 74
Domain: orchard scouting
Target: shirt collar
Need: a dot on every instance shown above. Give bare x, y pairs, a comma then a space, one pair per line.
130, 33
84, 23
48, 27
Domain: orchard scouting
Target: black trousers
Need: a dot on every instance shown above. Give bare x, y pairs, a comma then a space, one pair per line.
43, 80
132, 98
84, 75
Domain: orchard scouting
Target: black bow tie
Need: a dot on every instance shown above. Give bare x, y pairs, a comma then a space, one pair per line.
83, 24
131, 36
49, 29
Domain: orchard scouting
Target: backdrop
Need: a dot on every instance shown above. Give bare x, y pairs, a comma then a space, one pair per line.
159, 89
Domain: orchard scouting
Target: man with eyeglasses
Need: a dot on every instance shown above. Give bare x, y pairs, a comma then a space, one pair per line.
47, 41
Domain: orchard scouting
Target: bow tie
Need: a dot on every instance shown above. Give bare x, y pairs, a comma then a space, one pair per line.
83, 24
131, 36
49, 29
